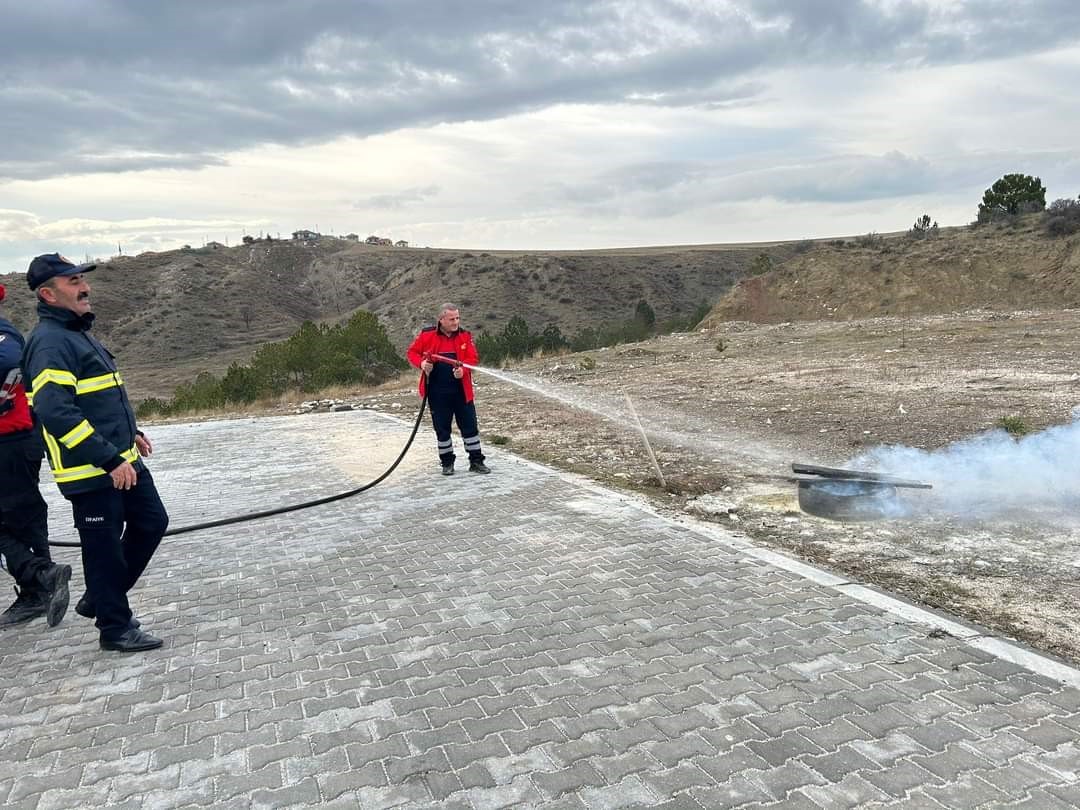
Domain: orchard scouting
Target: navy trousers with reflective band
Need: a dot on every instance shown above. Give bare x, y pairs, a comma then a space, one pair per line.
24, 515
447, 407
119, 530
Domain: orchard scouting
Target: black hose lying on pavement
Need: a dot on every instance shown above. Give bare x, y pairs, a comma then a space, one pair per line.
195, 527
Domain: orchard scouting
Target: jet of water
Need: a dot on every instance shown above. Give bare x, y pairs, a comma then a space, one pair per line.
667, 427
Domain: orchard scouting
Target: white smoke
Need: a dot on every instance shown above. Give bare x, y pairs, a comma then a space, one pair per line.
992, 474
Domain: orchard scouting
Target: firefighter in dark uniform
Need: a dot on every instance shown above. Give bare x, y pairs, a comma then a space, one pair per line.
94, 449
449, 386
41, 585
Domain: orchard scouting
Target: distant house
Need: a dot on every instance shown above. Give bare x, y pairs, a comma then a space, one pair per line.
353, 237
306, 236
401, 243
214, 245
379, 240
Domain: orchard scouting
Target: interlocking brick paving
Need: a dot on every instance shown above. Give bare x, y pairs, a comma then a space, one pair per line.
514, 640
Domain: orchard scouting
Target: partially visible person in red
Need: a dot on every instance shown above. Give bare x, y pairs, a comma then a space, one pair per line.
41, 587
448, 386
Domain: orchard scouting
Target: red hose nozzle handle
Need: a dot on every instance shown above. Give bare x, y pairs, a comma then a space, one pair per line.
443, 358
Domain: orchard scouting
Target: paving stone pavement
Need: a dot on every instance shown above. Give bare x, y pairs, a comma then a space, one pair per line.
515, 640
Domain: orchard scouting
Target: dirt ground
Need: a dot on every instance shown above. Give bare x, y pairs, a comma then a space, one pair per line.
726, 412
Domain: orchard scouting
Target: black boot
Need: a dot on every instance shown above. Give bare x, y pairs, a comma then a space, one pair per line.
28, 605
54, 582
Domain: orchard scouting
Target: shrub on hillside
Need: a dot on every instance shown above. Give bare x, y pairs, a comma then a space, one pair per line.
1010, 196
644, 314
151, 406
517, 340
1015, 426
685, 323
922, 228
762, 264
315, 357
1062, 217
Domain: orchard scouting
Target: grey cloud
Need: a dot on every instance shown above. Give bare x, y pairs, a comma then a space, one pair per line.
85, 164
399, 199
665, 189
850, 179
145, 85
643, 178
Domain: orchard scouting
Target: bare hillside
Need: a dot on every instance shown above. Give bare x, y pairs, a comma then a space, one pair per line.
960, 269
170, 315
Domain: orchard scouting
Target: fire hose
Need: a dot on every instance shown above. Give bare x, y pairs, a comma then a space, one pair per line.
210, 524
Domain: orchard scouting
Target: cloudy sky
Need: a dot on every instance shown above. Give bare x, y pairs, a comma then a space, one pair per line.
511, 124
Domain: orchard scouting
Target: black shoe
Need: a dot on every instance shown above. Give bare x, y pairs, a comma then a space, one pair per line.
54, 580
448, 469
133, 640
479, 467
84, 607
28, 605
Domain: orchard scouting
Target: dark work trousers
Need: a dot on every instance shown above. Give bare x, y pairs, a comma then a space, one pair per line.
24, 524
119, 530
445, 407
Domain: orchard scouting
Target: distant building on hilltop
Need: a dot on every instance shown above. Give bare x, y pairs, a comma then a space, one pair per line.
379, 240
353, 237
306, 236
214, 245
401, 243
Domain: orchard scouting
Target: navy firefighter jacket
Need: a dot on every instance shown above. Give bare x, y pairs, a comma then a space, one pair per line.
79, 400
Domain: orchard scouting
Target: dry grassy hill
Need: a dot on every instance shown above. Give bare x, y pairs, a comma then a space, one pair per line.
959, 269
170, 315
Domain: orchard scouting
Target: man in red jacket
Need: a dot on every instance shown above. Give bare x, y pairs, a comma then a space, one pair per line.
42, 588
449, 386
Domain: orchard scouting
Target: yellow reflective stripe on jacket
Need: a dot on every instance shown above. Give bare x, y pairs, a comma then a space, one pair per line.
89, 385
52, 375
77, 435
69, 474
53, 448
99, 383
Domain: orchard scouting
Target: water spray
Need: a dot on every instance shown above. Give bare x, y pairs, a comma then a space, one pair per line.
645, 439
630, 404
685, 430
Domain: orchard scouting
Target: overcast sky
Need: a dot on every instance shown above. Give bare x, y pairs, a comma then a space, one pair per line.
547, 124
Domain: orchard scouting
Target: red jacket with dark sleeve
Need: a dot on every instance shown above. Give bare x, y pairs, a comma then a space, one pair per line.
14, 412
457, 346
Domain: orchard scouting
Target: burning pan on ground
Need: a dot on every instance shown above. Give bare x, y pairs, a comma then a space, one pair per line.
850, 494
